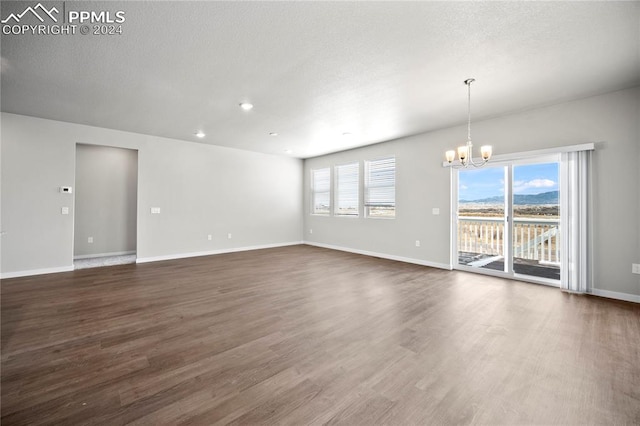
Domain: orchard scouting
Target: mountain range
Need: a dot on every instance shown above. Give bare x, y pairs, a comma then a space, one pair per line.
550, 197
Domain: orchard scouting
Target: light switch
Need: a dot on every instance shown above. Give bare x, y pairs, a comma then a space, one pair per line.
155, 210
64, 210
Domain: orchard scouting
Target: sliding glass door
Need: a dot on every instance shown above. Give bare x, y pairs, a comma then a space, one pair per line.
482, 219
536, 220
508, 218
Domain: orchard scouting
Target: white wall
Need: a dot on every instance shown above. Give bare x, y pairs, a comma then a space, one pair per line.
611, 120
201, 189
106, 198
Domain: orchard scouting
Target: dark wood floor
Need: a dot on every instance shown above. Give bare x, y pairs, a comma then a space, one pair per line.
303, 335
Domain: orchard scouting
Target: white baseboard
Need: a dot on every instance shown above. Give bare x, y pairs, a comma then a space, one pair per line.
382, 255
31, 272
115, 253
6, 275
213, 252
616, 295
596, 292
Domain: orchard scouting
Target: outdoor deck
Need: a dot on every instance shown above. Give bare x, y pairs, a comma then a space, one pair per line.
536, 247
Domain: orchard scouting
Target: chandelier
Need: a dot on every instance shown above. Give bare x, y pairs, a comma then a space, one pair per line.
465, 152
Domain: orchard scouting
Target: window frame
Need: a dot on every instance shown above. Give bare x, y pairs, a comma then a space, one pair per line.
367, 186
315, 192
336, 187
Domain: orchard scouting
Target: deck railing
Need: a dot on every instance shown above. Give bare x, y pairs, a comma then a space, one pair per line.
534, 239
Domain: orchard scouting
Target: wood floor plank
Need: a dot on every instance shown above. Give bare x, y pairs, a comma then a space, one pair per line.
250, 398
305, 335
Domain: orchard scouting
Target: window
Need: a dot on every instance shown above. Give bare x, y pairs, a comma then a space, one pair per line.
380, 188
321, 191
347, 190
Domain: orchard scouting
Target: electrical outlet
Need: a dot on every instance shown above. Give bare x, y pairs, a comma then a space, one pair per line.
209, 237
90, 240
311, 231
417, 243
64, 210
229, 235
435, 211
635, 268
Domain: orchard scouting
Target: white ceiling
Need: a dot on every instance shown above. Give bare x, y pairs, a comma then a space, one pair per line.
315, 70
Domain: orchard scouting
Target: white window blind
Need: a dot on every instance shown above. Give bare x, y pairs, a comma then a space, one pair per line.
321, 191
347, 189
380, 188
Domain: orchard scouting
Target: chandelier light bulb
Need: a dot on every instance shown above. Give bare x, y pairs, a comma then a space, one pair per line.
451, 155
486, 150
462, 152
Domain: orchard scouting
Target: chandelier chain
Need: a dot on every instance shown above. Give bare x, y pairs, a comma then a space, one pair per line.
469, 109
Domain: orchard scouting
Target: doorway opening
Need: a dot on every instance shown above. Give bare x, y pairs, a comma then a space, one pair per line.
106, 198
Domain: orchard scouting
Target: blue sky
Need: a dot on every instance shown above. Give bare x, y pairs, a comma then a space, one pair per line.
488, 182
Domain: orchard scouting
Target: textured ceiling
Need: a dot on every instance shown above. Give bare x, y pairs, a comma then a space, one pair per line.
315, 70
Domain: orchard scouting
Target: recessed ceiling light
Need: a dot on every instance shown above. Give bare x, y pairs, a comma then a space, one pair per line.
246, 106
288, 151
347, 134
200, 134
273, 134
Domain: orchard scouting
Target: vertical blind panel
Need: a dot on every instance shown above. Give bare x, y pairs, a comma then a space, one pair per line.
381, 182
347, 188
575, 192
